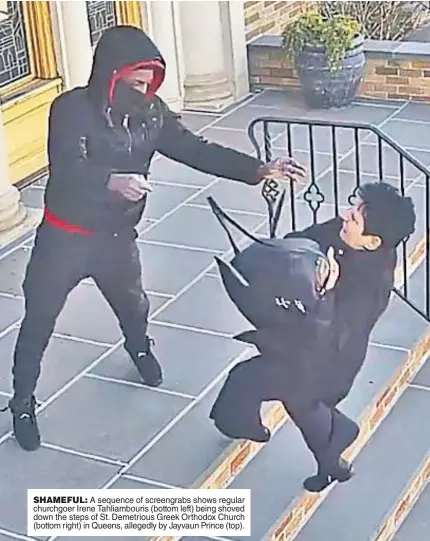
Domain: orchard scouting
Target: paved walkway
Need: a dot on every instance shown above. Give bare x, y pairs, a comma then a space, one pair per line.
100, 426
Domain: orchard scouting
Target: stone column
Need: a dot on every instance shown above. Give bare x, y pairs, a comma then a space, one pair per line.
207, 85
12, 210
73, 35
235, 51
161, 17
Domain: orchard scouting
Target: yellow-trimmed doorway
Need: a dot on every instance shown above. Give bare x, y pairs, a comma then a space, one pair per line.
33, 81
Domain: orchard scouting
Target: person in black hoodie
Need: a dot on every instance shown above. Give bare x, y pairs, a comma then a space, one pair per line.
311, 374
102, 138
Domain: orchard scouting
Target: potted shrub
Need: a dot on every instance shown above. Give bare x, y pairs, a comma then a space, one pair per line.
328, 54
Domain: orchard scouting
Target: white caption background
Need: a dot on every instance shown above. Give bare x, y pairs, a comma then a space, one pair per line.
171, 512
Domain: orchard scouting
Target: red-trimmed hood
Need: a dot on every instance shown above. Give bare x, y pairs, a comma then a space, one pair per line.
120, 50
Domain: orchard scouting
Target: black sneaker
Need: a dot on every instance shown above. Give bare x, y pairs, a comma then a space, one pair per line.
259, 434
147, 365
319, 482
24, 420
332, 466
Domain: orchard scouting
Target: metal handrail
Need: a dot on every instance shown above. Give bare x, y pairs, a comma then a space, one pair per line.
330, 124
356, 126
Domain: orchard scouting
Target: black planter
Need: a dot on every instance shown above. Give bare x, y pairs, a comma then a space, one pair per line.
323, 88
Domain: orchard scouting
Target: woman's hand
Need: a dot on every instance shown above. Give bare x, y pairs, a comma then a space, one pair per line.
334, 270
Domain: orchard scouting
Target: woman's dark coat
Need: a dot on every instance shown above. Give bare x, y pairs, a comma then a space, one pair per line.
310, 370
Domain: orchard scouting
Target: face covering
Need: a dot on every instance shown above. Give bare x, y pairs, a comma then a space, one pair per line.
127, 100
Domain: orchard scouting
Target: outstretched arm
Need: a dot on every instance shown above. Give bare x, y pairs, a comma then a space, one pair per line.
180, 144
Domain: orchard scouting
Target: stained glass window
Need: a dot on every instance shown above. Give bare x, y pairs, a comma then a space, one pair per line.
14, 53
101, 15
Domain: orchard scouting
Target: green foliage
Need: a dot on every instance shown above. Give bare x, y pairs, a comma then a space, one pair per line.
334, 34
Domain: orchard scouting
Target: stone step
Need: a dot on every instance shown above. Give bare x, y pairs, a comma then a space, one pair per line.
399, 327
408, 519
416, 524
394, 358
275, 476
355, 510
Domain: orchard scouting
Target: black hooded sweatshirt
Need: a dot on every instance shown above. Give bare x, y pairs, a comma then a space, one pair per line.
90, 137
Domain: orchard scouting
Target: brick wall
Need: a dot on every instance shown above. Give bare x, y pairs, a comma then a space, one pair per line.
396, 76
268, 67
270, 17
397, 79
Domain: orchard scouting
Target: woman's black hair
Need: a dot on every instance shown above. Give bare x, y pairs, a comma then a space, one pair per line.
387, 214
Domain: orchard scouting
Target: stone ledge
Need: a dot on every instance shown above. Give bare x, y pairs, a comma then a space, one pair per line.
395, 70
373, 48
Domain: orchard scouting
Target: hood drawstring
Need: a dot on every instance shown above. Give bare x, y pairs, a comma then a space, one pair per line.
108, 115
125, 125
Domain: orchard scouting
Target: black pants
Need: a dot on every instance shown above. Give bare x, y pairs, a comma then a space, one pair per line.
252, 382
58, 263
